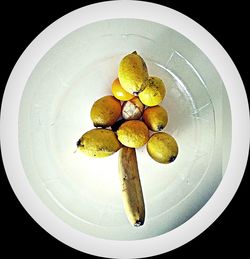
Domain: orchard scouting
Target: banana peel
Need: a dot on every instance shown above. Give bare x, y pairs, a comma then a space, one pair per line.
131, 189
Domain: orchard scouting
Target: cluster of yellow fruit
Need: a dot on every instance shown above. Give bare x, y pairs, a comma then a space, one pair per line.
131, 112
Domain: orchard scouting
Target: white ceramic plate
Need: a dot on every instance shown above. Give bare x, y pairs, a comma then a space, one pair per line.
82, 195
55, 112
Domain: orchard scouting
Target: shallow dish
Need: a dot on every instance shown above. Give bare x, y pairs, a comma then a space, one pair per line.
55, 112
46, 108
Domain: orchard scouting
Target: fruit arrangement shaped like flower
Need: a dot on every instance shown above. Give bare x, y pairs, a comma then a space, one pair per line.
123, 122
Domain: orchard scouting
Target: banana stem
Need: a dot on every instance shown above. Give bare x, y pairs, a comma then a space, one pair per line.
132, 195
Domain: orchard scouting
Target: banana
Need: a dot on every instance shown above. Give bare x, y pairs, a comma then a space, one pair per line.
131, 186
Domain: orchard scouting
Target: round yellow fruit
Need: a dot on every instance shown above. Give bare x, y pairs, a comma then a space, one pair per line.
133, 133
162, 147
98, 143
133, 73
119, 92
156, 118
105, 111
154, 91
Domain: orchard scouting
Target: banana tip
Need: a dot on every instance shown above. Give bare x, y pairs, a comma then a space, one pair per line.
138, 223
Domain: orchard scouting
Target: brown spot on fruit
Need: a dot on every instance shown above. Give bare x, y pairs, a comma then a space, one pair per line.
172, 158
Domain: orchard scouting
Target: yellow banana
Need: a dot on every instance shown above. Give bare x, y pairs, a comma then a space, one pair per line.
131, 186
